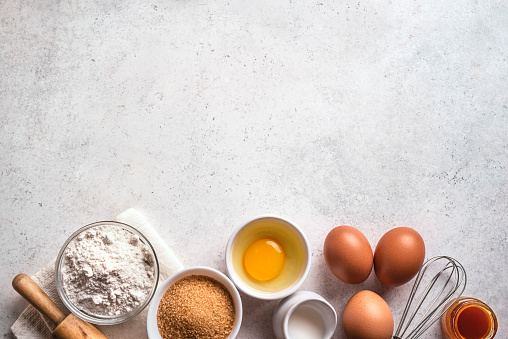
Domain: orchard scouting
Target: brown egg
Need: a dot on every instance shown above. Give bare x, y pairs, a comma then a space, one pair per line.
399, 256
367, 316
348, 254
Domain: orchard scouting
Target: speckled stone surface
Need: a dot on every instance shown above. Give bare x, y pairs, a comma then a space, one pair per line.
203, 114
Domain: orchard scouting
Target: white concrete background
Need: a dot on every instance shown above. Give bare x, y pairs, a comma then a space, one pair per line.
203, 114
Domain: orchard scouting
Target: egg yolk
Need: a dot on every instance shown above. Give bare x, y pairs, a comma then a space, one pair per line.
264, 259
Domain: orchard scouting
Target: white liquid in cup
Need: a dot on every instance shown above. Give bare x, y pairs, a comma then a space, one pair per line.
306, 323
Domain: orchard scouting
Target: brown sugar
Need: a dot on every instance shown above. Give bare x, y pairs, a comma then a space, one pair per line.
196, 307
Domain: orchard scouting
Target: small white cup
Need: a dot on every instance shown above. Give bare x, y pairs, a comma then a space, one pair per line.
153, 329
287, 307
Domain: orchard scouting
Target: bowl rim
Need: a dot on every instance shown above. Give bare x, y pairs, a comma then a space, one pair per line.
244, 287
97, 318
151, 319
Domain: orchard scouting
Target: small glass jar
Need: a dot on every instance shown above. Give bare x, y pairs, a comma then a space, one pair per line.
469, 318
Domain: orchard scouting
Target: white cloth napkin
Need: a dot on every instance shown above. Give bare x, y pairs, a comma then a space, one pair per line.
31, 324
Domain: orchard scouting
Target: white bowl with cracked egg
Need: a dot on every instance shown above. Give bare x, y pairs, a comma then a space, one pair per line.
66, 265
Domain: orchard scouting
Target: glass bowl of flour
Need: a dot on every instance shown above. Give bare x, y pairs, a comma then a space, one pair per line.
106, 273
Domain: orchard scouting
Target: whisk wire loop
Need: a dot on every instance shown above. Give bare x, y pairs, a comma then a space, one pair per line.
455, 280
430, 313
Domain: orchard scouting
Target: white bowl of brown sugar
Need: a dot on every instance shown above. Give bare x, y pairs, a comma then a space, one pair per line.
197, 302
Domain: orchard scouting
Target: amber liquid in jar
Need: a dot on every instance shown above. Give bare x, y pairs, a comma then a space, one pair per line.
469, 318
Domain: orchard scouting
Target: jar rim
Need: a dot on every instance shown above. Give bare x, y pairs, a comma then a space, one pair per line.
466, 302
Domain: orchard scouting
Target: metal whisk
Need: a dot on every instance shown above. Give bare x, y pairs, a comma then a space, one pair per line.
427, 305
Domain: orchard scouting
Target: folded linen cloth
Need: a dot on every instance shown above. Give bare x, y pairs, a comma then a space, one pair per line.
31, 324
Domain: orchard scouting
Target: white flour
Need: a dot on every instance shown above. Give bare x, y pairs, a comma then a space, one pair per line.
107, 270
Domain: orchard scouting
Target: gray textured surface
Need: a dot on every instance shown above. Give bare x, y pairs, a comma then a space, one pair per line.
204, 114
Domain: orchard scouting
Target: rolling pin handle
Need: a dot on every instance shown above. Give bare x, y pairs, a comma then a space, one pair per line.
29, 290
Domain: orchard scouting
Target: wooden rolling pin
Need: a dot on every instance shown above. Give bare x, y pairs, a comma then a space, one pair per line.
68, 327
